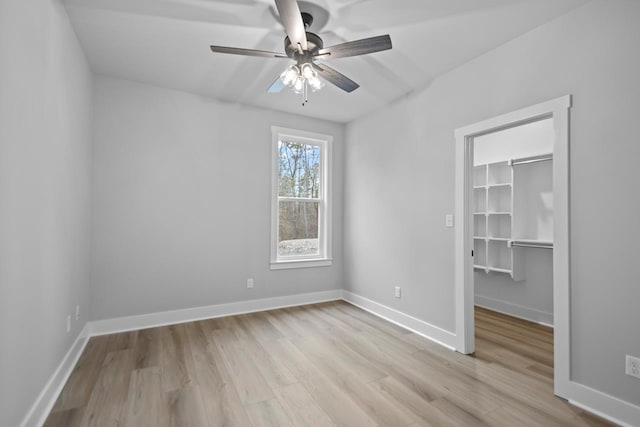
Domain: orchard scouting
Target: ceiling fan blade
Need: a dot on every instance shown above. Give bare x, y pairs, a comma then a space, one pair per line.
336, 78
276, 86
291, 19
357, 47
247, 52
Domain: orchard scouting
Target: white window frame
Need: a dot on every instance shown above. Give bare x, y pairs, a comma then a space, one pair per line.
323, 258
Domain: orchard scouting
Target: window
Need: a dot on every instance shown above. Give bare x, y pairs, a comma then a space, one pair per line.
300, 208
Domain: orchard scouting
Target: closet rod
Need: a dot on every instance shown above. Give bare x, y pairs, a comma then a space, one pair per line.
532, 159
529, 245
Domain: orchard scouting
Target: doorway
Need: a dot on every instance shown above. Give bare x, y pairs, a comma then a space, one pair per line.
505, 259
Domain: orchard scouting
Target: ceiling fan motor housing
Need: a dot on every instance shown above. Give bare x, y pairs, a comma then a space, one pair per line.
314, 44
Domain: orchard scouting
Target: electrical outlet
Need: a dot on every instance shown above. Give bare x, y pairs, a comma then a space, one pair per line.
398, 292
77, 312
68, 323
249, 283
633, 366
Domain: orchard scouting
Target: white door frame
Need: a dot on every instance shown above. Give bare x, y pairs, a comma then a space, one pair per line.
558, 109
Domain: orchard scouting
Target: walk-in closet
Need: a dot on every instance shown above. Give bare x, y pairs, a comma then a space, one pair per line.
513, 247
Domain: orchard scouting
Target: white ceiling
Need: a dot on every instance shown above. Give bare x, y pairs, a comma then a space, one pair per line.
166, 43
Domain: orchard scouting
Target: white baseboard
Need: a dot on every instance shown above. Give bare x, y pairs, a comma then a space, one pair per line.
515, 310
47, 398
132, 323
602, 404
420, 327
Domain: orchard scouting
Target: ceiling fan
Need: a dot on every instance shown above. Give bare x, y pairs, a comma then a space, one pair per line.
305, 47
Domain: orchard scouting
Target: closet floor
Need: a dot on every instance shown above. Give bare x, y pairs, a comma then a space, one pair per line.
319, 365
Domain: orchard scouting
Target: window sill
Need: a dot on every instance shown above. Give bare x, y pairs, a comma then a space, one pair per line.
301, 263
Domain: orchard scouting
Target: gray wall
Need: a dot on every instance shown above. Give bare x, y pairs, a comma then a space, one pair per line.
531, 298
181, 202
45, 133
400, 181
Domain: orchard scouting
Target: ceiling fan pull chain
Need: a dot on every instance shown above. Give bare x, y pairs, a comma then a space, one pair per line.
305, 93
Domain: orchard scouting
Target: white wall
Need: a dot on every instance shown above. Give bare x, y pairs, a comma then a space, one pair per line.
400, 181
531, 298
526, 140
45, 132
181, 202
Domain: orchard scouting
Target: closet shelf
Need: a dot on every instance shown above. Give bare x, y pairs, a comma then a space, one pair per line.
492, 213
500, 201
493, 206
530, 243
501, 185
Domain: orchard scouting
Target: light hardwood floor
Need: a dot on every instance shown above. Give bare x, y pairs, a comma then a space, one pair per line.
317, 365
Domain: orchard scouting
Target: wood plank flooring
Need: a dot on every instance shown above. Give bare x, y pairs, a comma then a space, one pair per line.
328, 364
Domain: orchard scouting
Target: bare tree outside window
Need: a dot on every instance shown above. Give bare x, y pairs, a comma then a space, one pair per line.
298, 202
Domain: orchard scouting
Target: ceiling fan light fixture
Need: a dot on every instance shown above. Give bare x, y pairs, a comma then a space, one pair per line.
315, 83
299, 77
307, 71
290, 75
298, 86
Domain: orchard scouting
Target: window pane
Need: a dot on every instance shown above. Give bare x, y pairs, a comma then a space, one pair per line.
298, 228
298, 169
